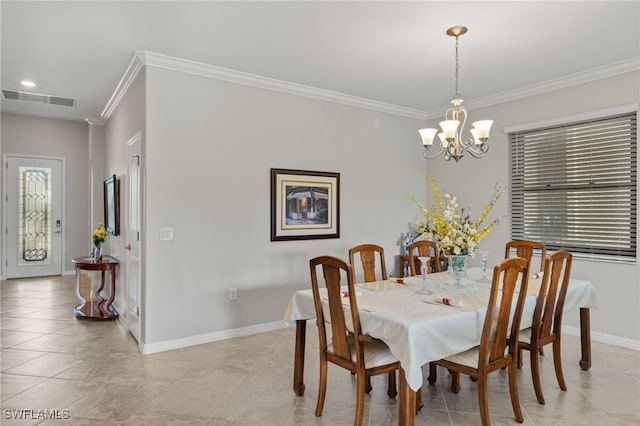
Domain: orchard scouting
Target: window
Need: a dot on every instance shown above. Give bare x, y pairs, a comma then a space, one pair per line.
573, 186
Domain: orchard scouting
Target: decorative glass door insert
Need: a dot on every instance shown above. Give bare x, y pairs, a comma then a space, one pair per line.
34, 220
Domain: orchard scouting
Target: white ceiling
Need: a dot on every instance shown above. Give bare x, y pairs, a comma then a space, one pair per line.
391, 52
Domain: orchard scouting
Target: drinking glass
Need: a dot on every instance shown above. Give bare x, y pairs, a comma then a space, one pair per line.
424, 289
484, 254
458, 267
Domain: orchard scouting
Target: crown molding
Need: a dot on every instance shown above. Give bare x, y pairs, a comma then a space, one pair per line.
5, 110
94, 121
586, 76
204, 70
146, 58
132, 71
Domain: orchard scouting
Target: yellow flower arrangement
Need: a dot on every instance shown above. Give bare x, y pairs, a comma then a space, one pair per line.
455, 232
99, 234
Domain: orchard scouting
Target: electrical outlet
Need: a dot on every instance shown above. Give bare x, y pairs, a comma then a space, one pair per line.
233, 293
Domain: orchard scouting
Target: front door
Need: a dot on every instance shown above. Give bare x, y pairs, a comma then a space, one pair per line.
33, 221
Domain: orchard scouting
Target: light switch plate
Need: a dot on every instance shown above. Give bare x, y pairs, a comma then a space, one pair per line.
166, 234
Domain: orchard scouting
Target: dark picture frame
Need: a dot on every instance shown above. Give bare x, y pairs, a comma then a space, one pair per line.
112, 205
305, 205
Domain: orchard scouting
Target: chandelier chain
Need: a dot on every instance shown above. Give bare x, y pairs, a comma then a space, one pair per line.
457, 96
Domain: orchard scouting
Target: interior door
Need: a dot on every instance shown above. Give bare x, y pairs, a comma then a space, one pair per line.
33, 216
133, 270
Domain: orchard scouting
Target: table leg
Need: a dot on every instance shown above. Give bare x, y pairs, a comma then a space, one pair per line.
585, 338
78, 276
406, 402
112, 296
99, 289
298, 365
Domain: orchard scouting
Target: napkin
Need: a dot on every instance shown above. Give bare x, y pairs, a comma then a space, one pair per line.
467, 302
454, 301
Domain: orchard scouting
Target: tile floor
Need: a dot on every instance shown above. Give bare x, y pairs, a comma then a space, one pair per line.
93, 374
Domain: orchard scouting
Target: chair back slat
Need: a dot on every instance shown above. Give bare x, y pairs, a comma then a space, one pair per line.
368, 254
424, 248
526, 249
502, 321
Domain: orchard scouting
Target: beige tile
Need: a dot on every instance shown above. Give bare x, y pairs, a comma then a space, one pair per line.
12, 385
48, 365
9, 339
10, 358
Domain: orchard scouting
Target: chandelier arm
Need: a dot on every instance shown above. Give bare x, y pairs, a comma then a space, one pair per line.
467, 144
479, 153
430, 157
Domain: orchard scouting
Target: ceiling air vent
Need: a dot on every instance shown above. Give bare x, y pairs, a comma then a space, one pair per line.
36, 97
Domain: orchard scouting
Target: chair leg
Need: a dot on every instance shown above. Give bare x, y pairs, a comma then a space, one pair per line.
513, 391
520, 361
483, 400
455, 382
535, 374
392, 390
367, 388
361, 380
433, 374
322, 387
419, 403
557, 363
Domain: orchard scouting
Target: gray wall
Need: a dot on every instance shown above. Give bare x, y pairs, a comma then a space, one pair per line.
23, 134
210, 145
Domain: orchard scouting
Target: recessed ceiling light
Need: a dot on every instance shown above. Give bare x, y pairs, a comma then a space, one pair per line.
28, 83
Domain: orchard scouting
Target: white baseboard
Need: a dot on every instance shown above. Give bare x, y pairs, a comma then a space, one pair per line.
605, 338
210, 337
276, 325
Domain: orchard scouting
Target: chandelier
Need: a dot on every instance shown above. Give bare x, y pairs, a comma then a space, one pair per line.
452, 143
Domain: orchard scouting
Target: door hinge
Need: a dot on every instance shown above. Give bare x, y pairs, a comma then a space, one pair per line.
138, 236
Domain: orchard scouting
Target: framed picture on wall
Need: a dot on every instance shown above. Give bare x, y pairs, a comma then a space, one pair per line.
305, 205
112, 205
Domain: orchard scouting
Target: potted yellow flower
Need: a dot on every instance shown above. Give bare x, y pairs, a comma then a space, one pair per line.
99, 235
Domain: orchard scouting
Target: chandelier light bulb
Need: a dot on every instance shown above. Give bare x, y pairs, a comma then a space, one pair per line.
483, 127
449, 128
427, 136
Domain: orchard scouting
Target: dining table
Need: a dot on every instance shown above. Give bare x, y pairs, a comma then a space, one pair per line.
421, 328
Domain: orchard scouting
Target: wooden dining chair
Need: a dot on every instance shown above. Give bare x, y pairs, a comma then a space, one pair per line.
360, 354
526, 249
368, 254
498, 341
424, 248
547, 318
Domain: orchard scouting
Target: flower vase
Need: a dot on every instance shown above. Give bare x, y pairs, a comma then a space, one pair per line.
458, 267
97, 252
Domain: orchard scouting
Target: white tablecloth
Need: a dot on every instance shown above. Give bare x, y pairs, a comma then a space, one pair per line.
418, 332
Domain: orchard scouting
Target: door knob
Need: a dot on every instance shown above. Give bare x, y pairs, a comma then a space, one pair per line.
128, 247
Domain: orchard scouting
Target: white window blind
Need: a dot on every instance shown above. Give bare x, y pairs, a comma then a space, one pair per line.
573, 186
